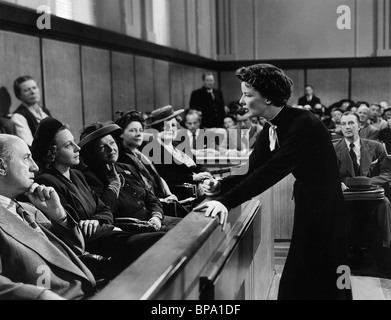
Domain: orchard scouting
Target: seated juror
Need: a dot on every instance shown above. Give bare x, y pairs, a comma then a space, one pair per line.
118, 184
56, 152
133, 125
39, 241
175, 166
361, 157
365, 158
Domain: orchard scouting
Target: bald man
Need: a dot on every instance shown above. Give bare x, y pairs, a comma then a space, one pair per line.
39, 242
366, 130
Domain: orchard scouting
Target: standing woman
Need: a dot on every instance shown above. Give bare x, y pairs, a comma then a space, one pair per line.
176, 167
294, 141
29, 113
56, 152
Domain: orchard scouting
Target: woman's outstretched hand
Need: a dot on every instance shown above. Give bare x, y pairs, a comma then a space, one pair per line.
213, 209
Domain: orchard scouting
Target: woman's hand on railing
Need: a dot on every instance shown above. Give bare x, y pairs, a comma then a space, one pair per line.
213, 209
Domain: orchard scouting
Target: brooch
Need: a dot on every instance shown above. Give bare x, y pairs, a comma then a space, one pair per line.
127, 172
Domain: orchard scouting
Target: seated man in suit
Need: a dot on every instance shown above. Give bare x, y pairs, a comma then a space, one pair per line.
376, 117
366, 130
38, 245
361, 157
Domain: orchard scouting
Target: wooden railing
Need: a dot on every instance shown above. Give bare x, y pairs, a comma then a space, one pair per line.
197, 260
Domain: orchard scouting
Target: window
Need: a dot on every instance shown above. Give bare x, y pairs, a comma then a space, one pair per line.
82, 11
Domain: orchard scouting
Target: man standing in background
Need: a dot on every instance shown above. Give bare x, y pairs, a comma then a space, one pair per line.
210, 102
309, 98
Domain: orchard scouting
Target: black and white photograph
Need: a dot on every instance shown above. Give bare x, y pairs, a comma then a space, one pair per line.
198, 156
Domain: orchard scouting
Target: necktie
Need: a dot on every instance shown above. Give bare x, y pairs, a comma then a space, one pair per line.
273, 137
194, 141
212, 94
353, 156
29, 219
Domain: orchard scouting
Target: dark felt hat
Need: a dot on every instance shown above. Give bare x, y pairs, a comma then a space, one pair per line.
163, 114
44, 136
112, 129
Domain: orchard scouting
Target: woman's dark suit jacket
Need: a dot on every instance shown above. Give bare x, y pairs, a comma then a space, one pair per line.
134, 200
318, 244
79, 201
83, 203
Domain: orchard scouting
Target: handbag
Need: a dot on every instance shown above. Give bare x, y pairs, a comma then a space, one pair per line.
133, 225
175, 209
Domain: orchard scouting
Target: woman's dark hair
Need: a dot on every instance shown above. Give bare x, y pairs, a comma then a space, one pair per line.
129, 117
359, 103
270, 81
47, 158
18, 82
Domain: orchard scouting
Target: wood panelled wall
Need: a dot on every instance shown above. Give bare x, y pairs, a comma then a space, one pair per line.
82, 84
303, 29
331, 85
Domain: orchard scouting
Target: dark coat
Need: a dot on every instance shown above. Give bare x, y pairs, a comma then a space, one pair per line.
369, 132
76, 196
318, 244
83, 203
212, 110
134, 200
304, 101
